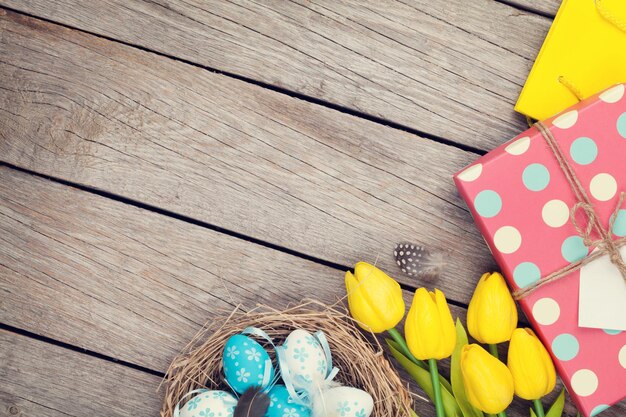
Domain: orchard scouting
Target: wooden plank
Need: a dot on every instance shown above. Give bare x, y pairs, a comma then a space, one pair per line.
544, 7
45, 380
234, 155
113, 279
40, 379
449, 68
133, 285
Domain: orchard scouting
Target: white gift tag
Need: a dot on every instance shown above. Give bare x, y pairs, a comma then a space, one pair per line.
602, 295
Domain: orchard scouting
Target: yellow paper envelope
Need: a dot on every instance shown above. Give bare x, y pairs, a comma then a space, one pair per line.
584, 53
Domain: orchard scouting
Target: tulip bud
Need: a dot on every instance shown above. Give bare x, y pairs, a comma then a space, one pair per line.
375, 300
429, 329
488, 382
531, 366
492, 315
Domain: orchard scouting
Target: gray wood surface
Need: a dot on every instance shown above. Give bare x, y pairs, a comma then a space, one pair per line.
449, 68
39, 379
113, 279
240, 164
256, 162
137, 286
543, 7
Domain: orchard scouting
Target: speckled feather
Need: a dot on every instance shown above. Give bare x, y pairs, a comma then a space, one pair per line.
418, 262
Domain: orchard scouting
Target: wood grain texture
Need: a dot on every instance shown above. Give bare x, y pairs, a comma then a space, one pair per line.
39, 379
544, 7
448, 68
131, 284
234, 155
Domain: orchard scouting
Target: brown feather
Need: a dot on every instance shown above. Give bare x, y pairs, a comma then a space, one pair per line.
252, 403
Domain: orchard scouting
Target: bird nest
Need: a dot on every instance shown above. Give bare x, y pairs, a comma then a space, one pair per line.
361, 363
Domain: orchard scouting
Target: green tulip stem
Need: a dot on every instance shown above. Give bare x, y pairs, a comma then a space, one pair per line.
434, 375
493, 349
539, 408
395, 335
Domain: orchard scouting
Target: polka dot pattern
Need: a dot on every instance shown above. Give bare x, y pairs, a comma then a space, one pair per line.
603, 187
472, 173
507, 239
519, 147
536, 177
621, 125
619, 227
574, 249
613, 94
565, 346
526, 273
555, 213
488, 203
546, 311
584, 150
598, 409
584, 382
530, 233
566, 120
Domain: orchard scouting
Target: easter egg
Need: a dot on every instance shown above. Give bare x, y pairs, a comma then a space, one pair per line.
245, 362
210, 403
282, 405
346, 402
305, 358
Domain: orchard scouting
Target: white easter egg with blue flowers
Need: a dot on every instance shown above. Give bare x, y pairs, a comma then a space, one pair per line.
282, 405
210, 404
244, 363
305, 358
347, 402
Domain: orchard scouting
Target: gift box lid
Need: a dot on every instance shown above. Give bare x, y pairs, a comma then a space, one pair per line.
520, 198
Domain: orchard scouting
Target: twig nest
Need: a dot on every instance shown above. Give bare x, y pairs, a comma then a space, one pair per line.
360, 364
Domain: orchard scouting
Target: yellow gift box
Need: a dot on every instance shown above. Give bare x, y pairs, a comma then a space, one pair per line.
583, 53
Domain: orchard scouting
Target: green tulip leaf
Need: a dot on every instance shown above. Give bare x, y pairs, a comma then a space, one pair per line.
458, 387
557, 408
422, 377
532, 413
421, 364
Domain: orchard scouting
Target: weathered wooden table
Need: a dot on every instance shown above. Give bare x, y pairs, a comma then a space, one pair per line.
164, 160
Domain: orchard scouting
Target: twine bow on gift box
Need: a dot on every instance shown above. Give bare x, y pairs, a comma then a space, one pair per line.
605, 245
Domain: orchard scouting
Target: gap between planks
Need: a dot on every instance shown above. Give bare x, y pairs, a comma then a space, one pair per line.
459, 89
322, 183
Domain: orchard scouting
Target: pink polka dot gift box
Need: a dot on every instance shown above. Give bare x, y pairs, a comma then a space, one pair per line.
551, 206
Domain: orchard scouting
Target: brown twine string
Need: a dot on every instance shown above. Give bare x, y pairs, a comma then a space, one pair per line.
605, 244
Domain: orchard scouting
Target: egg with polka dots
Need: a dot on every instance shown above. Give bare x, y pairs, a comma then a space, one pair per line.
245, 363
210, 403
281, 404
305, 358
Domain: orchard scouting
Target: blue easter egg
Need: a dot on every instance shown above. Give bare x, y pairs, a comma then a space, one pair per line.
244, 362
282, 405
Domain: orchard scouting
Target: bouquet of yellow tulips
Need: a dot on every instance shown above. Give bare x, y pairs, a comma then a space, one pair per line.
479, 382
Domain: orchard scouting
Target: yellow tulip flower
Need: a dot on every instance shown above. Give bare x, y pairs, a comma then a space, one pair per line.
488, 382
375, 300
492, 315
429, 328
531, 366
